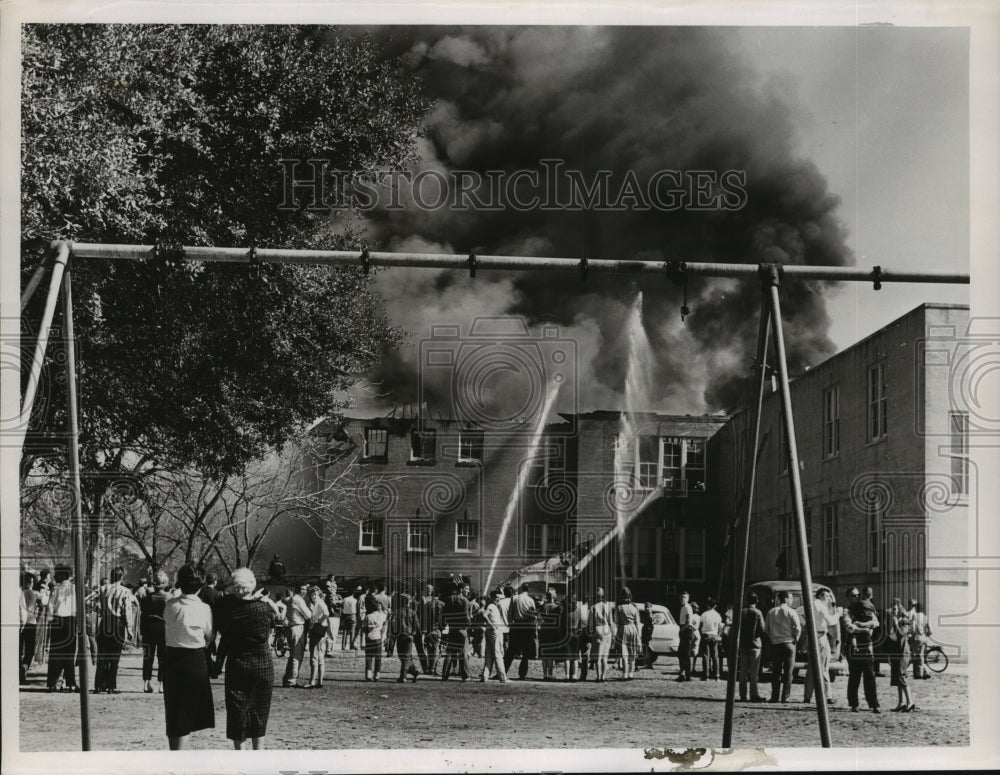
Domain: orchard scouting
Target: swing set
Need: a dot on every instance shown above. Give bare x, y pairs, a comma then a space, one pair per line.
60, 255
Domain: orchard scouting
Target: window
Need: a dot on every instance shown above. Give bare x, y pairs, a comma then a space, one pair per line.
534, 538
675, 463
694, 464
874, 536
831, 539
831, 422
541, 539
470, 446
423, 445
694, 554
554, 543
877, 403
649, 462
645, 553
418, 538
959, 422
466, 536
377, 444
371, 535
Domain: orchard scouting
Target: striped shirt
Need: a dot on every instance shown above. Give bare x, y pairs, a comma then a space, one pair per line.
116, 603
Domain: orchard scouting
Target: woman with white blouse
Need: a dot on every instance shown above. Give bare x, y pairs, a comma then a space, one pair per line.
187, 693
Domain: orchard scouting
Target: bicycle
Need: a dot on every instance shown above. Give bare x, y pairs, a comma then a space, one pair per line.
935, 659
280, 642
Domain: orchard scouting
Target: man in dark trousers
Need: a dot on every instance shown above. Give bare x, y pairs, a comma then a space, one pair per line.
430, 610
782, 627
523, 632
858, 621
115, 628
751, 628
457, 618
152, 629
685, 636
210, 596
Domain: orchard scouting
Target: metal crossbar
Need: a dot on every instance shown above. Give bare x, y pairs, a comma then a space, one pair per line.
671, 268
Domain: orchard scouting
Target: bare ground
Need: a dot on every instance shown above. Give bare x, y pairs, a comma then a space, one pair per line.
653, 711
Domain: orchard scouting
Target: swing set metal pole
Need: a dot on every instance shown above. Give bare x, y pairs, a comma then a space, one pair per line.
801, 539
743, 540
876, 275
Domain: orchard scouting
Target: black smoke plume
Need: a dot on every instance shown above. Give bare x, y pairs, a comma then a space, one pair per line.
620, 99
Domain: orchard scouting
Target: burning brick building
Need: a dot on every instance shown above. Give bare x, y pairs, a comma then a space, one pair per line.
431, 499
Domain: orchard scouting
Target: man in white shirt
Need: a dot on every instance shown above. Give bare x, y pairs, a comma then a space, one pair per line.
783, 628
63, 655
711, 636
507, 594
493, 638
297, 613
348, 621
826, 621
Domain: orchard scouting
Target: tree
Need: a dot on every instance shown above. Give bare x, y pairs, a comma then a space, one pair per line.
173, 135
171, 518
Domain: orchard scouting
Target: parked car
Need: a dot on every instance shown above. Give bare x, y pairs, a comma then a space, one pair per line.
666, 633
767, 592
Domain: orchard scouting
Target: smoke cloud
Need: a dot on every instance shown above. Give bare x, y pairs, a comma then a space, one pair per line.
620, 99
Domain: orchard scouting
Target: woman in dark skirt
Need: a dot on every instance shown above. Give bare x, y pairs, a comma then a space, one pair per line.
245, 622
187, 693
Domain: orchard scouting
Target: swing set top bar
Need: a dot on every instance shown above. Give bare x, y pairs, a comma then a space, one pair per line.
876, 275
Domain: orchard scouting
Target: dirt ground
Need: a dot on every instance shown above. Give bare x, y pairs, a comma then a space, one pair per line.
653, 711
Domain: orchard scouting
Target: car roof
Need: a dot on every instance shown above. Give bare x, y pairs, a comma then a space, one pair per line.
791, 585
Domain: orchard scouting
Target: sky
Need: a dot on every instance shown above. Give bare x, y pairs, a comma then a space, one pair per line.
884, 113
854, 142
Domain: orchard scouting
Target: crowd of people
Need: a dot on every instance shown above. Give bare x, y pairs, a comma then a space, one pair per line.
434, 636
907, 632
190, 631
